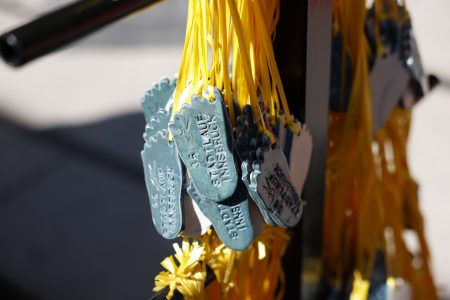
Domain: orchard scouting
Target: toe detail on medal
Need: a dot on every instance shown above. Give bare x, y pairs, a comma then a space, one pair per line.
162, 167
202, 134
158, 123
251, 185
163, 178
157, 98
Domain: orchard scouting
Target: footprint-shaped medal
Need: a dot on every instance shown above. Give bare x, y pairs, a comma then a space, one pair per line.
272, 179
230, 218
162, 166
157, 97
202, 134
163, 178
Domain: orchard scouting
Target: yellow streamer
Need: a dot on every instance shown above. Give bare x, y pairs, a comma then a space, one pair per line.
370, 199
236, 31
220, 33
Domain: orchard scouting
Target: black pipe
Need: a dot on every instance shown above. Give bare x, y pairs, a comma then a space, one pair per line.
63, 26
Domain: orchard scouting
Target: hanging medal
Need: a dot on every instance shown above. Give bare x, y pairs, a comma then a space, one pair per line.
227, 102
202, 134
388, 77
418, 85
201, 127
219, 126
248, 144
162, 167
265, 170
230, 218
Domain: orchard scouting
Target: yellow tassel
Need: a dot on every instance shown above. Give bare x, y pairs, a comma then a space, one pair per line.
255, 273
360, 290
188, 276
371, 198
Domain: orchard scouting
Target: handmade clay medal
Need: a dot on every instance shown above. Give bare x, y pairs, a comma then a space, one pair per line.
162, 167
230, 218
411, 57
157, 97
271, 177
202, 134
252, 189
247, 142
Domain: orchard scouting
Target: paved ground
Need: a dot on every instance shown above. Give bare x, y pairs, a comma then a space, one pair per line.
107, 74
74, 215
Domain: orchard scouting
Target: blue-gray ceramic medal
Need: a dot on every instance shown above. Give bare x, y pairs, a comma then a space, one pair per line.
163, 178
230, 218
202, 134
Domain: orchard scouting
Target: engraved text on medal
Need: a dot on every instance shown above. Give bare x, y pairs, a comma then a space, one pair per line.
165, 199
281, 192
213, 146
233, 219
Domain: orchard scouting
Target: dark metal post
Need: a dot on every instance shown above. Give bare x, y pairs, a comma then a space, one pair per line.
303, 53
290, 52
318, 57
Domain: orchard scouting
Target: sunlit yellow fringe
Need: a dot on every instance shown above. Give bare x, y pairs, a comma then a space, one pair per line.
188, 276
220, 33
255, 273
236, 32
371, 198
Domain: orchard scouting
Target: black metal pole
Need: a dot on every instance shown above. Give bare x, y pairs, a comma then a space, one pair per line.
290, 52
63, 26
317, 92
303, 51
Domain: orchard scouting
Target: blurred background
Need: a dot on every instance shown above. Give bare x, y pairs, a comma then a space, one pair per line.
82, 241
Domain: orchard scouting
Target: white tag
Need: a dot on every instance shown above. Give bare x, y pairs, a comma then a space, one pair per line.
300, 158
388, 81
398, 289
195, 222
414, 63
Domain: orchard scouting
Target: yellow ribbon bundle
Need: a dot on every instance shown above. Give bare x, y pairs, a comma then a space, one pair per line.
401, 208
235, 33
228, 45
255, 273
371, 199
